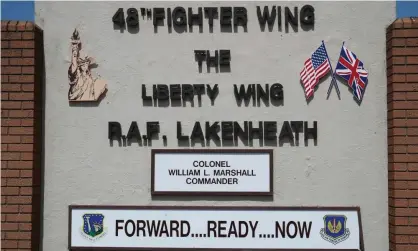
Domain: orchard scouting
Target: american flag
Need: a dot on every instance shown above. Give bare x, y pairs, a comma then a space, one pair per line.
351, 69
315, 67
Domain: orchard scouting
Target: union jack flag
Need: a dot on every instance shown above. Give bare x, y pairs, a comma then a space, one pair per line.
351, 69
315, 67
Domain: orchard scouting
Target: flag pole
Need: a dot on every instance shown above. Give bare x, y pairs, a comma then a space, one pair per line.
333, 80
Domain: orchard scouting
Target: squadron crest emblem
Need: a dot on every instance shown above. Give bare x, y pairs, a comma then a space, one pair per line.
93, 227
335, 230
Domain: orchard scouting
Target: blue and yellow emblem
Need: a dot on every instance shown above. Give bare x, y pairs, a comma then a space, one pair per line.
335, 230
93, 226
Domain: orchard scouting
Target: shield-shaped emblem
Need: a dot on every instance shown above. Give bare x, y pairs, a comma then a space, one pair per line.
335, 230
335, 225
93, 224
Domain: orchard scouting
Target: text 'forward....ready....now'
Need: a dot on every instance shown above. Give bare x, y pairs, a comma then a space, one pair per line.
214, 228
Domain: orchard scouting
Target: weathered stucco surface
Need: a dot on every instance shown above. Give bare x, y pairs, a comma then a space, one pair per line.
348, 167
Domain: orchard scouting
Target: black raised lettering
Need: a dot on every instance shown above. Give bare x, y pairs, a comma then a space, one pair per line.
262, 94
119, 18
153, 128
133, 132
225, 16
212, 93
291, 18
187, 92
195, 18
175, 92
266, 17
224, 57
179, 16
240, 16
200, 56
255, 132
180, 136
270, 130
197, 133
210, 14
212, 61
158, 16
276, 92
307, 15
227, 130
241, 133
297, 127
310, 132
286, 133
115, 130
199, 89
144, 94
211, 131
163, 92
243, 94
132, 19
169, 18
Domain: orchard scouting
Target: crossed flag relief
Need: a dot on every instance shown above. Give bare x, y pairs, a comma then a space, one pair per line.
349, 68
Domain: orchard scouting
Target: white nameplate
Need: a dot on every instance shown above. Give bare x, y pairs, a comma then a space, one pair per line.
223, 172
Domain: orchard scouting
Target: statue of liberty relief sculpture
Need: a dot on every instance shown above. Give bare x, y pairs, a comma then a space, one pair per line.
83, 87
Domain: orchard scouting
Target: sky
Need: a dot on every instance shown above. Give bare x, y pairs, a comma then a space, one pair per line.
25, 10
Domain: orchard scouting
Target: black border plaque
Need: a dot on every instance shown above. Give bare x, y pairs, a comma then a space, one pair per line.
209, 151
95, 207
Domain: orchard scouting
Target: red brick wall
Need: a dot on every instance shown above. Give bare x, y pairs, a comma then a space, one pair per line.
21, 135
402, 72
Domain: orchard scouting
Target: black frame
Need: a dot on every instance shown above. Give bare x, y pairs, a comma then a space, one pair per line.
216, 151
94, 207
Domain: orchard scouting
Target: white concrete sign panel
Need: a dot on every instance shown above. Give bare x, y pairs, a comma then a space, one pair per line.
227, 172
267, 228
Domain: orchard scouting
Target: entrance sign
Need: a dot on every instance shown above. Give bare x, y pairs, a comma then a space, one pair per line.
262, 228
223, 172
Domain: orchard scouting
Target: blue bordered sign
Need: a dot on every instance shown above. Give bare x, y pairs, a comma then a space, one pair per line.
215, 228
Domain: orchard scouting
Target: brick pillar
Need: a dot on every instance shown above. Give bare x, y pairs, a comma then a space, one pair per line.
402, 73
21, 135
